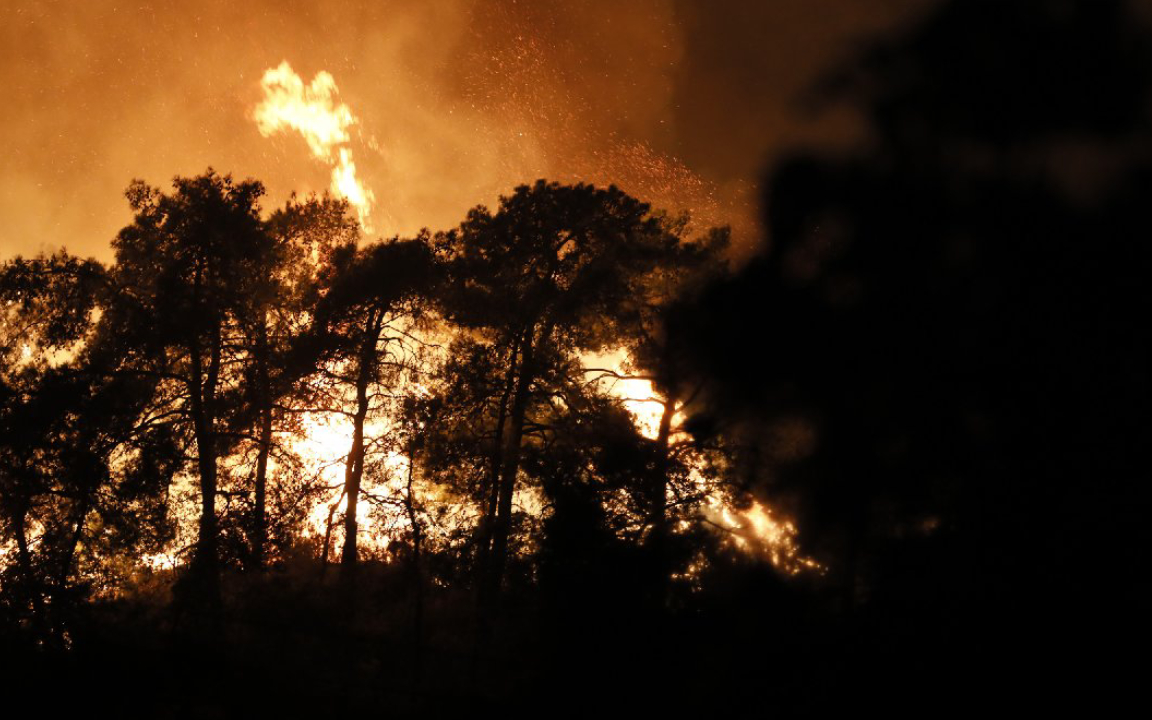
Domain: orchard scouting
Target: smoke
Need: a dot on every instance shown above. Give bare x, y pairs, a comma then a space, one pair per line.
457, 101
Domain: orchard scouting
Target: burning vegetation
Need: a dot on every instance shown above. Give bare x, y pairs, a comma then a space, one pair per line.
480, 410
475, 409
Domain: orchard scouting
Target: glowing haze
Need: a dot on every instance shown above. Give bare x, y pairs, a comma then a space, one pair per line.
680, 102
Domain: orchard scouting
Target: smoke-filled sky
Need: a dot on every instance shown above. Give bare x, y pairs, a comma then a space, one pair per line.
680, 102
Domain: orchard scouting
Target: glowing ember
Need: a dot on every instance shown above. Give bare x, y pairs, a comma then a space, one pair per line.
312, 111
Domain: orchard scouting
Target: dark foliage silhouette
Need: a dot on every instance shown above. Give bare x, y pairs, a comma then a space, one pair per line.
952, 364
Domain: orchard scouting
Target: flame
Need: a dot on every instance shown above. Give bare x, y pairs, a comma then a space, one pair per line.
754, 530
757, 530
638, 394
324, 443
313, 111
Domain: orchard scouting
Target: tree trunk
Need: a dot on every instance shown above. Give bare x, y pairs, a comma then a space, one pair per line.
354, 465
503, 525
658, 506
492, 491
206, 561
264, 391
29, 584
328, 533
417, 573
84, 506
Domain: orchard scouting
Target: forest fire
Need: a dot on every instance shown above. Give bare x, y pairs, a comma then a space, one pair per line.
661, 358
329, 475
312, 111
323, 446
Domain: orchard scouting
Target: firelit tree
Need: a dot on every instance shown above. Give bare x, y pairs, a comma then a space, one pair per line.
303, 235
654, 355
45, 307
365, 340
554, 270
72, 481
187, 272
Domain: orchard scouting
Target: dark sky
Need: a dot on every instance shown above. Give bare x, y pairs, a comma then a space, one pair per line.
681, 102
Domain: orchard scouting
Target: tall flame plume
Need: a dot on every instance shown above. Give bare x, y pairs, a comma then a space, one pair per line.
313, 111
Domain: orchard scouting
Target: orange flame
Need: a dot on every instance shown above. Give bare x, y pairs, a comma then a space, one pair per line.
756, 530
313, 111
